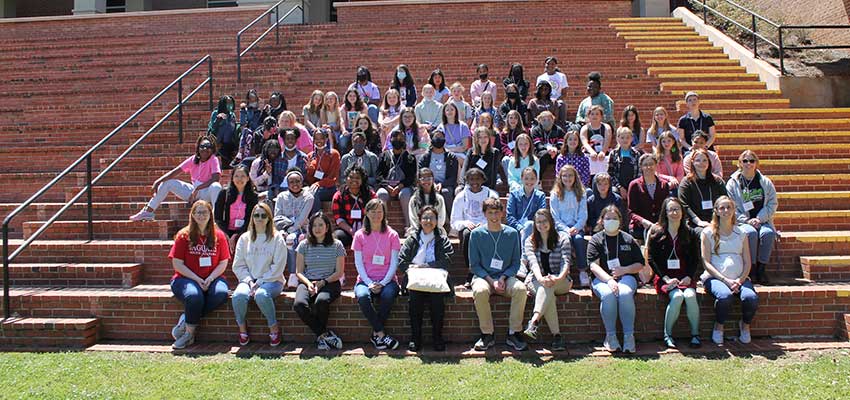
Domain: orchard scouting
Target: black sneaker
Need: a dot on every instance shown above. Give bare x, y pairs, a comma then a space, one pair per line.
485, 342
389, 342
439, 345
378, 343
558, 343
516, 342
413, 347
696, 342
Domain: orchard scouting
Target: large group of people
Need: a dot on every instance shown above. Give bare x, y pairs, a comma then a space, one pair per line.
629, 206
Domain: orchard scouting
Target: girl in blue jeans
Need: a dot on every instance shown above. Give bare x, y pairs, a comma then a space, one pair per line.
259, 263
199, 256
615, 260
376, 247
726, 255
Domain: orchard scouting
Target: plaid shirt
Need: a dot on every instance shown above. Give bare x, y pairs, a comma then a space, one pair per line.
344, 202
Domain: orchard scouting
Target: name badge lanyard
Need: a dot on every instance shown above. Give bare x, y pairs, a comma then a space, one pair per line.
496, 247
702, 199
616, 249
693, 126
319, 156
376, 256
358, 221
673, 263
528, 206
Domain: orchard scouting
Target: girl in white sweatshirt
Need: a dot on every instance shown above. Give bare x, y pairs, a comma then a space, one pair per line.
259, 264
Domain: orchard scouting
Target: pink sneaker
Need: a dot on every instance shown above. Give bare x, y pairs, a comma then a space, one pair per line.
244, 339
142, 216
274, 339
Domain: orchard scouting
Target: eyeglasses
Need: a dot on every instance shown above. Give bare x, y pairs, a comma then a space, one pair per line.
260, 215
205, 146
428, 218
674, 210
748, 161
204, 212
426, 179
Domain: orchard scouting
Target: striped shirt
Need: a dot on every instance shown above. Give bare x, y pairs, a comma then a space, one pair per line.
320, 260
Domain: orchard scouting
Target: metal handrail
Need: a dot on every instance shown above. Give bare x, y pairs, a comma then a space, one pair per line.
753, 30
276, 26
87, 156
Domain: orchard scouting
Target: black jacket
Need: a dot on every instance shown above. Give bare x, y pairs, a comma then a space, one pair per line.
443, 251
660, 247
408, 166
451, 168
222, 211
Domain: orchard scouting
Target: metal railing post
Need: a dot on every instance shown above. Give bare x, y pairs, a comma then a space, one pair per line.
211, 84
238, 59
276, 24
755, 38
6, 311
89, 190
704, 13
180, 111
781, 53
303, 13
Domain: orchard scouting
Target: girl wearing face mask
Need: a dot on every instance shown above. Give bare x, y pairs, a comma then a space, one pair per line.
397, 174
513, 102
233, 204
322, 169
548, 138
615, 259
404, 84
222, 126
250, 114
516, 77
522, 158
443, 166
204, 171
258, 263
542, 102
482, 85
671, 252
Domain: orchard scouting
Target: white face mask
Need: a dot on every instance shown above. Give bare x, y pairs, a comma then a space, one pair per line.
289, 148
611, 226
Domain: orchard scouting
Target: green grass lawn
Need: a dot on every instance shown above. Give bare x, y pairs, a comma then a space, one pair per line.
824, 375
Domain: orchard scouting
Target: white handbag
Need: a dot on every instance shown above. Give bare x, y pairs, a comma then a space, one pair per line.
429, 280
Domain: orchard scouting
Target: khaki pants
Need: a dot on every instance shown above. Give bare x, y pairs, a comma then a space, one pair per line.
544, 302
515, 290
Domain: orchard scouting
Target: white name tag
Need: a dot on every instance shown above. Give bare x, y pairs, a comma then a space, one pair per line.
749, 206
672, 264
496, 264
319, 174
481, 163
206, 261
706, 205
356, 214
512, 144
239, 223
377, 259
613, 263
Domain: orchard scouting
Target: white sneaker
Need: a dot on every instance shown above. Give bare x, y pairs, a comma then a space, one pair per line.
142, 216
717, 336
584, 279
629, 344
184, 341
611, 343
322, 344
745, 334
180, 328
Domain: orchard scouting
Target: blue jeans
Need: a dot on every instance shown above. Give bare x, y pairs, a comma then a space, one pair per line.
622, 304
723, 298
264, 297
373, 114
342, 141
579, 246
197, 302
386, 299
525, 229
760, 241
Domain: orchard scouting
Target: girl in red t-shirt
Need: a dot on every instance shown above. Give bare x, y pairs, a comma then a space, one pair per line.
199, 256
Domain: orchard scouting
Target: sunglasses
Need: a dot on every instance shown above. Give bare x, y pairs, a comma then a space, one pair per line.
748, 161
260, 216
205, 146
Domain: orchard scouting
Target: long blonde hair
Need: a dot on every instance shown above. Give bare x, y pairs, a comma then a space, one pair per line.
653, 127
270, 229
715, 221
310, 105
326, 109
558, 189
193, 231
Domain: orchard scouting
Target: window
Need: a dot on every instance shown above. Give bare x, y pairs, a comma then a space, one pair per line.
221, 3
114, 6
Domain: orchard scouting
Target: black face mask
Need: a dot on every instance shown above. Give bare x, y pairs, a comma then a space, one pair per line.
398, 144
438, 142
513, 95
482, 76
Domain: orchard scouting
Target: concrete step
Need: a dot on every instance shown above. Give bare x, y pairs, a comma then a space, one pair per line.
798, 201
